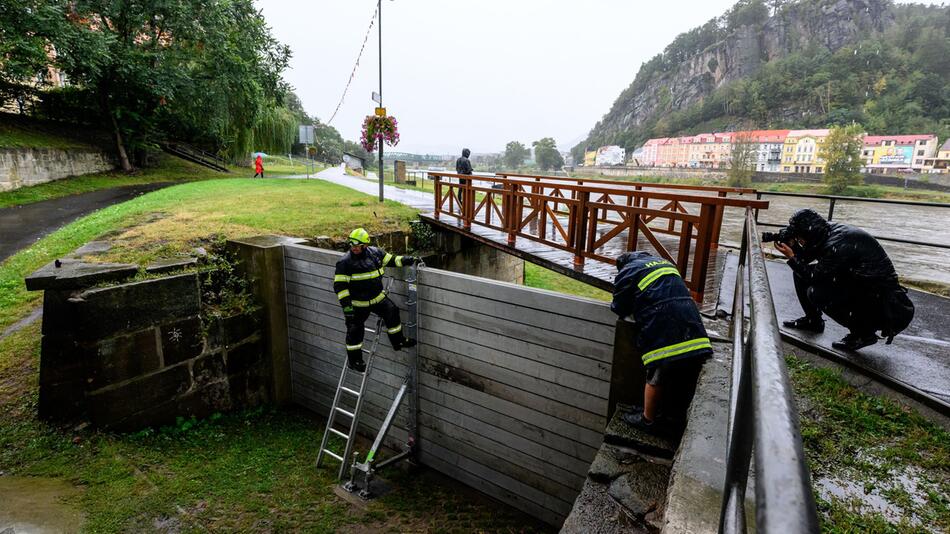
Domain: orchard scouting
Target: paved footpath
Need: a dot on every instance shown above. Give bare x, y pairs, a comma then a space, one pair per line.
21, 226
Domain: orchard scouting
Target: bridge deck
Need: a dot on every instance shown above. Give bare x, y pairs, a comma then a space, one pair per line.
596, 273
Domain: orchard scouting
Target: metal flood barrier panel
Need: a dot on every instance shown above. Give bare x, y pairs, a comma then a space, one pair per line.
513, 381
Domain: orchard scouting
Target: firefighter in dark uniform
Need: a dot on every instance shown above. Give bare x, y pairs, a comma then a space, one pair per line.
358, 283
670, 335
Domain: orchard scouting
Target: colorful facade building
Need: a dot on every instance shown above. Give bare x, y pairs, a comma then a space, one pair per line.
884, 153
650, 151
800, 151
767, 156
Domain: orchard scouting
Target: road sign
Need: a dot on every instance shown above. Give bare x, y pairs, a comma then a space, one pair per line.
377, 98
306, 134
380, 112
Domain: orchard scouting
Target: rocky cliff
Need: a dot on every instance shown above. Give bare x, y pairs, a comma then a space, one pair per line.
730, 48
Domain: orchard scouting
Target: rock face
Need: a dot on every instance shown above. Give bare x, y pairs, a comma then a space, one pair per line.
830, 24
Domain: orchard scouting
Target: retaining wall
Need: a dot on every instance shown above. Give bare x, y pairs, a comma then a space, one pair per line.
21, 167
513, 381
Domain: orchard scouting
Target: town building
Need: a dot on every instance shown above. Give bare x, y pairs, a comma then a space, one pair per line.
939, 164
767, 155
800, 151
895, 153
650, 152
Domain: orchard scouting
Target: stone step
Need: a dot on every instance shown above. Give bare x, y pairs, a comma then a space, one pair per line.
618, 432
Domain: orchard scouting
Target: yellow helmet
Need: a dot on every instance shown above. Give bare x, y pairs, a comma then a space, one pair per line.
359, 237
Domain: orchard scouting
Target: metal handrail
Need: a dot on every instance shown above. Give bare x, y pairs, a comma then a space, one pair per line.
762, 412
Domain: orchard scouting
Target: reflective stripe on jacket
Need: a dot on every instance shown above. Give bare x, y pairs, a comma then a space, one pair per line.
651, 290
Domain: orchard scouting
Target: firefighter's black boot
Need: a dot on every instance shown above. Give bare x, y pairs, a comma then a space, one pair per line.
808, 324
354, 360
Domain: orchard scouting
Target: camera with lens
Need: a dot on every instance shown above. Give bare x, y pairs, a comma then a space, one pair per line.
784, 235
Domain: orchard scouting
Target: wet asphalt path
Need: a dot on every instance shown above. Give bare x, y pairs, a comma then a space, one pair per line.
21, 226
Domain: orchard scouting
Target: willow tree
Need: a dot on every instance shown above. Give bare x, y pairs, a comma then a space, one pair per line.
194, 69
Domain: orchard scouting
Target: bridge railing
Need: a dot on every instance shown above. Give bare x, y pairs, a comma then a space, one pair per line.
583, 218
762, 412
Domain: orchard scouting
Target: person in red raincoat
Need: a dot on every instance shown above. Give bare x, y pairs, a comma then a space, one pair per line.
259, 166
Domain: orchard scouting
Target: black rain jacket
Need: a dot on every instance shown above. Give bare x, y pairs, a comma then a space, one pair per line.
463, 165
842, 254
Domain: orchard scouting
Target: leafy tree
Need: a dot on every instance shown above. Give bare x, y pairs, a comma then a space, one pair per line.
208, 70
546, 154
357, 150
515, 154
328, 143
26, 31
742, 161
841, 151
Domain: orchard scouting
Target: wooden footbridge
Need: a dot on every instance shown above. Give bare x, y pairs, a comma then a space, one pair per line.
579, 226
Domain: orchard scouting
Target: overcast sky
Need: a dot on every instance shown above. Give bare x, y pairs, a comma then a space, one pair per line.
476, 74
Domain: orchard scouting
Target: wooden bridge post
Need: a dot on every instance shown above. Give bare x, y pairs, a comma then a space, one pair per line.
437, 184
468, 205
510, 215
579, 225
707, 215
717, 222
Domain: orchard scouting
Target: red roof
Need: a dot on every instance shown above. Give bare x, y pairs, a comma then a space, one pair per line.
874, 140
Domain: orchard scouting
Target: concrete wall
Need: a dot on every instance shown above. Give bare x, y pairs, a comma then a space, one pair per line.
461, 254
514, 382
30, 166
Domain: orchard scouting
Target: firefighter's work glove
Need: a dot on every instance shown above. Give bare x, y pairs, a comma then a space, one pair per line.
349, 313
411, 260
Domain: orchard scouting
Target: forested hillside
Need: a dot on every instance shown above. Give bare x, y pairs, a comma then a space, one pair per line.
793, 64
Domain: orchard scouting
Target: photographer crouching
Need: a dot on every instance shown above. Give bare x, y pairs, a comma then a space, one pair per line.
843, 272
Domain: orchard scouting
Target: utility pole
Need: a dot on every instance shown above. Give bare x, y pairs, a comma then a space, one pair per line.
381, 175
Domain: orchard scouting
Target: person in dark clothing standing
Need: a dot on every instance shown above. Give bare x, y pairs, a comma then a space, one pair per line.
852, 280
670, 335
358, 284
463, 166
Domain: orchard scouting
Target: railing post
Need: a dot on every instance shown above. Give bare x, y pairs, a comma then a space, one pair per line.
831, 208
510, 215
579, 224
437, 184
704, 231
468, 204
717, 222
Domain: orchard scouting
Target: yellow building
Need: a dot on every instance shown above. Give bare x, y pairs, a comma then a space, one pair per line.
800, 152
590, 157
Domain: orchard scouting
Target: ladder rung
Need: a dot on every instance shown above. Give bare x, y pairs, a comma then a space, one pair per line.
338, 433
413, 303
370, 330
350, 391
367, 351
344, 412
332, 454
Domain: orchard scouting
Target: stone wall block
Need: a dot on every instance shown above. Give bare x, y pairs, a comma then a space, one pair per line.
242, 357
181, 340
107, 311
250, 388
207, 369
123, 357
237, 328
110, 405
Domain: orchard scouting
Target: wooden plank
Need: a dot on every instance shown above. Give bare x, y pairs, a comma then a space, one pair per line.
529, 368
492, 325
522, 428
438, 387
436, 359
520, 296
504, 440
312, 254
430, 373
519, 317
519, 355
498, 485
508, 464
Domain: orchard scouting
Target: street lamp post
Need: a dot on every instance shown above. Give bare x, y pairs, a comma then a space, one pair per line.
381, 175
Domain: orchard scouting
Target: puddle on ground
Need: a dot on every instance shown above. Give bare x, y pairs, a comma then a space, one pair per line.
34, 505
874, 501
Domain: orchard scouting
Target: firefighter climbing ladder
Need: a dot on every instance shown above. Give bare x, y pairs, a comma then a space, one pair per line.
368, 468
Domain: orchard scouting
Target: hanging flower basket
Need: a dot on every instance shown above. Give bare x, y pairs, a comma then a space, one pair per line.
376, 128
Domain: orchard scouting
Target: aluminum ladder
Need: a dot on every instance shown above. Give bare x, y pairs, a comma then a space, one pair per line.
409, 388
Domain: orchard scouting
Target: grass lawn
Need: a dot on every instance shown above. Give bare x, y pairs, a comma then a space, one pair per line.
17, 132
175, 219
168, 169
541, 278
862, 448
250, 471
